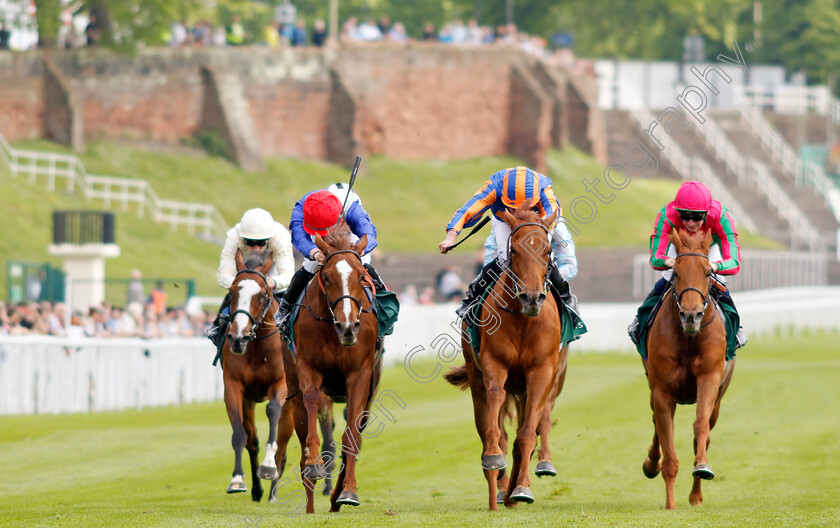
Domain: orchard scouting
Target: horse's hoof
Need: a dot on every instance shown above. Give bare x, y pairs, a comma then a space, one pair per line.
256, 494
703, 471
648, 474
268, 472
348, 498
501, 474
327, 491
237, 486
315, 471
522, 494
500, 497
491, 462
546, 469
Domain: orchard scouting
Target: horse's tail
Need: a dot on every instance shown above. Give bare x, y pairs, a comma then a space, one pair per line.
458, 376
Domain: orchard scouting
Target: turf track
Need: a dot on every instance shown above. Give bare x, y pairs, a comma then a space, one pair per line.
775, 453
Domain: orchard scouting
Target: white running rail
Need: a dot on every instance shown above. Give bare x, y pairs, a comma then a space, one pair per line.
803, 172
696, 168
196, 217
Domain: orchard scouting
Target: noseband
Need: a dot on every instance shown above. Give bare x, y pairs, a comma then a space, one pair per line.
265, 303
331, 304
705, 297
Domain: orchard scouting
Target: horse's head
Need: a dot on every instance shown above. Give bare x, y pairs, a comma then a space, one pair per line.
529, 255
692, 277
341, 279
250, 299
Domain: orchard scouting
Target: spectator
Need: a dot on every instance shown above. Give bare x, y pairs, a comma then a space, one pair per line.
271, 35
348, 30
474, 32
92, 31
158, 298
368, 32
299, 33
134, 293
236, 32
319, 33
397, 33
450, 285
5, 36
427, 296
429, 33
179, 34
409, 296
384, 25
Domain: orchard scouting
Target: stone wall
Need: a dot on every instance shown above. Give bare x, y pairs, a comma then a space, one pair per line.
418, 101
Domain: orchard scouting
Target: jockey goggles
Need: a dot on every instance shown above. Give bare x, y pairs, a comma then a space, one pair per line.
694, 216
251, 242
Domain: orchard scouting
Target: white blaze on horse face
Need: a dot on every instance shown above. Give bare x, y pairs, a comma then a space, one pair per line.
247, 289
344, 269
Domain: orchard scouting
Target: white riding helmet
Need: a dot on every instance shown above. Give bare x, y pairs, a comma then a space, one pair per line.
340, 190
256, 224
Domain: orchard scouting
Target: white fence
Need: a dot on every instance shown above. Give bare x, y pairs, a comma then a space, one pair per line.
199, 218
41, 375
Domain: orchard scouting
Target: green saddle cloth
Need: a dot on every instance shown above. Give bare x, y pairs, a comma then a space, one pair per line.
732, 321
570, 330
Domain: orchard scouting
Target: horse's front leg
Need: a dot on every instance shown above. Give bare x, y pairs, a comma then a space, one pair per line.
253, 447
233, 403
276, 395
652, 464
358, 391
495, 376
545, 468
538, 382
310, 387
664, 406
708, 388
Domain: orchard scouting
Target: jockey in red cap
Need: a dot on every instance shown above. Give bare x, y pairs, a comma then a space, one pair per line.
319, 212
693, 210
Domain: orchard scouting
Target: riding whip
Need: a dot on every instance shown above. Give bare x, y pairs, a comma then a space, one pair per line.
350, 187
471, 233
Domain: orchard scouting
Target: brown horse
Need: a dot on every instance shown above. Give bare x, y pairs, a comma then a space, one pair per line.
520, 355
686, 363
336, 335
252, 366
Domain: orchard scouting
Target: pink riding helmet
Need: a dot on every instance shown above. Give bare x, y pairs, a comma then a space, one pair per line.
693, 196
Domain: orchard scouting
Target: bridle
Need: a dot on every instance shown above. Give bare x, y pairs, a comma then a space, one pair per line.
265, 303
705, 297
508, 266
332, 303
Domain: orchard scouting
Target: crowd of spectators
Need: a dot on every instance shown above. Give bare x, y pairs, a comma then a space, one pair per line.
105, 320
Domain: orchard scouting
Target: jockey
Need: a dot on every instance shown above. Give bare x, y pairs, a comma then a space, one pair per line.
694, 210
255, 234
507, 189
318, 212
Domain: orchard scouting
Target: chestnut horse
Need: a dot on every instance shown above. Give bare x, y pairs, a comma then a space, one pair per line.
252, 367
520, 355
335, 337
686, 363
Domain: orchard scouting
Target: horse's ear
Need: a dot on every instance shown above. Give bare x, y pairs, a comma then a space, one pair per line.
240, 262
323, 246
509, 218
267, 262
549, 220
360, 246
674, 238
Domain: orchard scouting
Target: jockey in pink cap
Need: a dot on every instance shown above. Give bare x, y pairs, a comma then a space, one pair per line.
693, 210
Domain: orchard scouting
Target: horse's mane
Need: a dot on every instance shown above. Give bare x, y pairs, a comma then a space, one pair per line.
339, 238
256, 260
526, 212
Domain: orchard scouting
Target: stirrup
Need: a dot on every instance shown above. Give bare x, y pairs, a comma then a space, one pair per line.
740, 338
633, 331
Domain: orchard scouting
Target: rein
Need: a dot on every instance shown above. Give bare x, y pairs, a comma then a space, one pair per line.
705, 297
265, 304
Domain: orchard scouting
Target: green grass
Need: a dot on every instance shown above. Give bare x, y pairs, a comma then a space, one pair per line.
410, 202
774, 452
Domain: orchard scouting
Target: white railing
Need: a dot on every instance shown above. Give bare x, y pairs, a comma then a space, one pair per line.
40, 375
754, 173
803, 172
787, 99
697, 169
203, 218
759, 270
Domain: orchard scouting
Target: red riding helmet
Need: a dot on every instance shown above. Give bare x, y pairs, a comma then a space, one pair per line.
321, 210
693, 196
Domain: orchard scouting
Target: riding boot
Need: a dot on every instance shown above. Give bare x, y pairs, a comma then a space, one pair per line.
634, 328
217, 332
299, 281
377, 280
563, 294
489, 274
